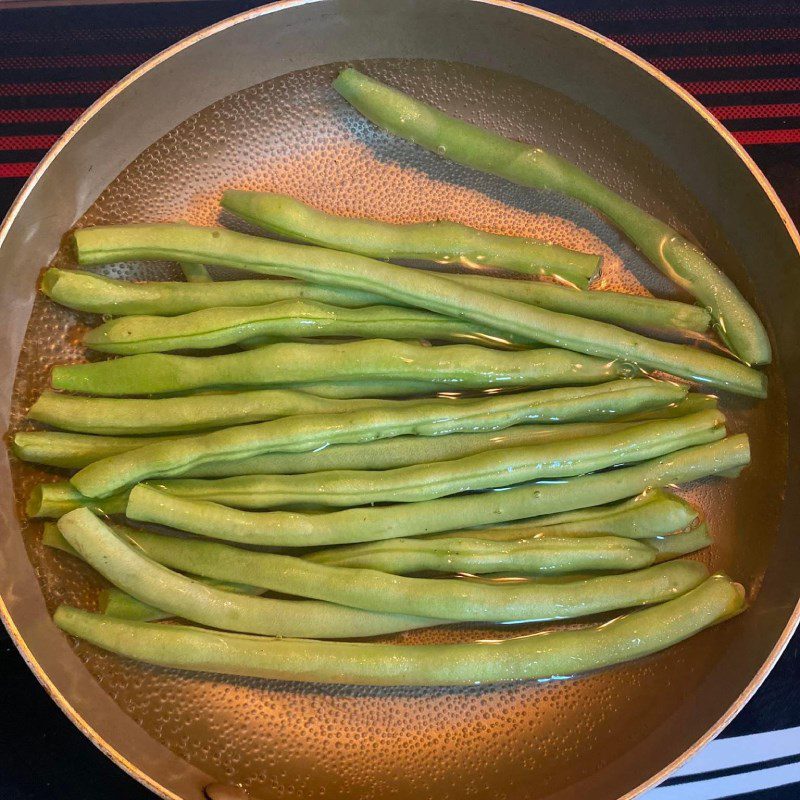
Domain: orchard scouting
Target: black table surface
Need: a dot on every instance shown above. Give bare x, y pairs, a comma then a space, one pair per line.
752, 81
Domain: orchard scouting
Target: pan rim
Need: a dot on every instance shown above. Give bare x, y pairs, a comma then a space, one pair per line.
40, 673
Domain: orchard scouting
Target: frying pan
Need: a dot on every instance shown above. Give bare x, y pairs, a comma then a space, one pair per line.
247, 103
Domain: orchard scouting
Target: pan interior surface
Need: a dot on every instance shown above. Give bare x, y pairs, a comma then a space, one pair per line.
534, 740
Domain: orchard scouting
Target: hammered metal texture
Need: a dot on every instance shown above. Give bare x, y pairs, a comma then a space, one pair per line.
295, 135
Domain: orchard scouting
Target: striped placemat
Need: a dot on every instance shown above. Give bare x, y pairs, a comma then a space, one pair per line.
740, 59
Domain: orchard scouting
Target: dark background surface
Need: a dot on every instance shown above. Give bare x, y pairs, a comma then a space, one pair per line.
742, 60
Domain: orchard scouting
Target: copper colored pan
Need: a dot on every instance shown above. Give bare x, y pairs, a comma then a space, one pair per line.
247, 103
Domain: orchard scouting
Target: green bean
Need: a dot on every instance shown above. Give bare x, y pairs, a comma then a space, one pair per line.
368, 589
195, 273
294, 529
402, 451
542, 555
72, 450
55, 499
457, 552
653, 513
116, 603
128, 569
439, 241
544, 655
306, 433
680, 544
175, 414
415, 287
452, 366
291, 319
86, 291
467, 144
75, 450
488, 470
626, 310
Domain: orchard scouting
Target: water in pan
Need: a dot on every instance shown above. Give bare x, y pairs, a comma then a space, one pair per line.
295, 135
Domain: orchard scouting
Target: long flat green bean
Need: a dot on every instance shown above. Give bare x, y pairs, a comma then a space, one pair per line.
403, 451
626, 310
85, 291
653, 513
414, 287
539, 555
430, 241
118, 416
306, 433
294, 529
291, 319
76, 450
488, 470
129, 569
72, 450
458, 366
369, 589
55, 499
474, 147
544, 655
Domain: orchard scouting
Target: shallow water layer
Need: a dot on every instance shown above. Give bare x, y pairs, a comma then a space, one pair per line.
295, 135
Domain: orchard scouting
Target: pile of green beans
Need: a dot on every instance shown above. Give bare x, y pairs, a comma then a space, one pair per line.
413, 287
378, 483
446, 242
488, 470
467, 144
537, 555
436, 599
295, 529
258, 325
85, 291
567, 652
451, 366
423, 418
